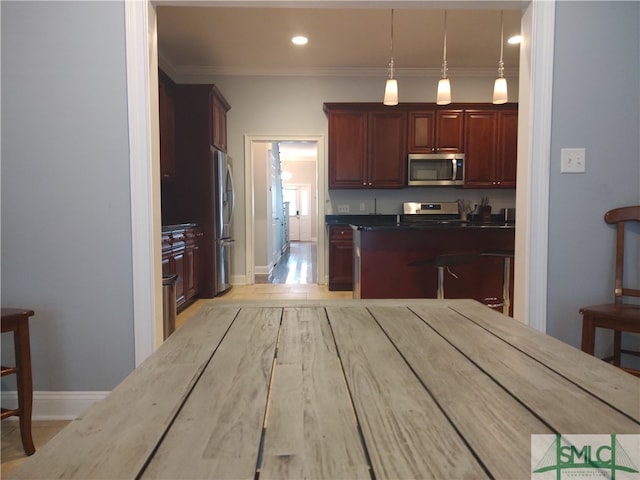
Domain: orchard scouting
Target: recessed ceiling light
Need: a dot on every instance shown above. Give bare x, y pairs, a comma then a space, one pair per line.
300, 40
516, 39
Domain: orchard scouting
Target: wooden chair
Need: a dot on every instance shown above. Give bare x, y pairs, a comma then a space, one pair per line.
16, 320
617, 316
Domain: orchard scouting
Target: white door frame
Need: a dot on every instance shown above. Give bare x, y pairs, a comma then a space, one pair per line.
532, 201
249, 198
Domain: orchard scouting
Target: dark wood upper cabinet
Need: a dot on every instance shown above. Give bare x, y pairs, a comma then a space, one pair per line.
166, 111
507, 147
367, 147
387, 164
347, 148
219, 108
436, 131
490, 148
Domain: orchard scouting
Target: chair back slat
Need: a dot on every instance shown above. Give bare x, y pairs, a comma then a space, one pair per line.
619, 217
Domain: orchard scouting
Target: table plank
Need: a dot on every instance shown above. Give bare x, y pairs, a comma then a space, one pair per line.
115, 436
217, 433
603, 380
311, 427
553, 398
405, 432
496, 426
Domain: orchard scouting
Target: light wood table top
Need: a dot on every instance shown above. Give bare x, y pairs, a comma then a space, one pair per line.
398, 389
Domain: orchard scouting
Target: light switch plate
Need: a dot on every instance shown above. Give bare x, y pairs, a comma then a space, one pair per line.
572, 160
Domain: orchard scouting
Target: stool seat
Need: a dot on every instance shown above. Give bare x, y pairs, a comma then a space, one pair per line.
16, 320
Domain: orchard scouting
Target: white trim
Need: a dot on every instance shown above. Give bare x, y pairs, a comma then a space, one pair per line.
145, 223
56, 405
249, 200
536, 211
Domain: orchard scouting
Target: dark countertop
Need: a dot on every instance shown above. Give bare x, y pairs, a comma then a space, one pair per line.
179, 226
386, 222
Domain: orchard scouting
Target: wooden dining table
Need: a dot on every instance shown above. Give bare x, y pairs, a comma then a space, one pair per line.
342, 389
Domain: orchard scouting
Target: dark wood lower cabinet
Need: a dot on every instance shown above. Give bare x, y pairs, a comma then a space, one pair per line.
181, 247
340, 258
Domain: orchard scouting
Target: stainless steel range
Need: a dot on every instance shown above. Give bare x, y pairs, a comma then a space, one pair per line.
431, 212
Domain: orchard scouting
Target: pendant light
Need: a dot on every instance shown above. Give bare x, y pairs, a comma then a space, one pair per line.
444, 86
391, 88
500, 85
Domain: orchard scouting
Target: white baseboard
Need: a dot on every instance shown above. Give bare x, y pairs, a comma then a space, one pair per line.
56, 405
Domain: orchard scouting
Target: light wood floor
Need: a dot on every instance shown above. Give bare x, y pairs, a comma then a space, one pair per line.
44, 430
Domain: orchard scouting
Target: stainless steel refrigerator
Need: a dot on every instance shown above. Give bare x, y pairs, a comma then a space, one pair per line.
223, 202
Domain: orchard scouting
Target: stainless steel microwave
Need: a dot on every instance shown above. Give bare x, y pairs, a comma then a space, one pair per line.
437, 169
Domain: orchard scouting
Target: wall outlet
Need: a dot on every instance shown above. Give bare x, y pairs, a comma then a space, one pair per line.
363, 207
343, 208
572, 160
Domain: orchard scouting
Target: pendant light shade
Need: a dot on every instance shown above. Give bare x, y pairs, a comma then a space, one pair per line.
500, 91
391, 92
391, 88
500, 85
444, 86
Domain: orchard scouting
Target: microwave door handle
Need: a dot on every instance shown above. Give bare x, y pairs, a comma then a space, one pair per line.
454, 163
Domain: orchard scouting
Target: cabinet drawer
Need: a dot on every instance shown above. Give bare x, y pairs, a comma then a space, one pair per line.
340, 233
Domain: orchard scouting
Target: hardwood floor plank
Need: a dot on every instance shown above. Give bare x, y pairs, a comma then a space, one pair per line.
111, 440
550, 396
562, 358
397, 416
298, 265
217, 433
497, 427
311, 430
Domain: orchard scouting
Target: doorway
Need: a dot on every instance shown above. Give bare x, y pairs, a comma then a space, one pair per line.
287, 199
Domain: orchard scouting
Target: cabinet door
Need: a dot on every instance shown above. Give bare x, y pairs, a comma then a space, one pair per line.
347, 149
178, 258
340, 258
167, 132
218, 125
387, 150
421, 131
480, 147
507, 148
449, 131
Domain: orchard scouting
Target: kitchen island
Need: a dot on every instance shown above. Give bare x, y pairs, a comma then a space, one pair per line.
343, 389
383, 255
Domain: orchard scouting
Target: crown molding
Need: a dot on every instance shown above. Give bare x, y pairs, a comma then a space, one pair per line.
185, 72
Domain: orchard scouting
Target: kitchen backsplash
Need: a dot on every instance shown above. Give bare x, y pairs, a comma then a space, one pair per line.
357, 202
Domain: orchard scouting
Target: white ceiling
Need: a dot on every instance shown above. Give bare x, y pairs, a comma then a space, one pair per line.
247, 40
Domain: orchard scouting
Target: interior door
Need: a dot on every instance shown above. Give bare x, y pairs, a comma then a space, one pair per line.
290, 194
304, 217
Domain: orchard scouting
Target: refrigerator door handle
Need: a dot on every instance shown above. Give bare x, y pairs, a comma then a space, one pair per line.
233, 193
227, 241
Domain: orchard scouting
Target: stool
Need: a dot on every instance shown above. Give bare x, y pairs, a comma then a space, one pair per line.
17, 321
445, 261
506, 255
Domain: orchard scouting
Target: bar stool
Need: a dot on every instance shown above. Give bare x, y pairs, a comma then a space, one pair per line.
506, 255
16, 320
445, 261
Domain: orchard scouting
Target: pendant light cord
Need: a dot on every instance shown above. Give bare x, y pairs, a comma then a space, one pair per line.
501, 63
444, 53
391, 48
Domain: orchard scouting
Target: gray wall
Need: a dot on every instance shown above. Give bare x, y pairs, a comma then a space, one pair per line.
65, 177
596, 105
66, 233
